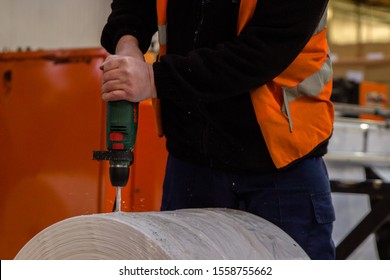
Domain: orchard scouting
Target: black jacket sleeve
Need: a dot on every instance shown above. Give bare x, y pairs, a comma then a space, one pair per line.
270, 42
130, 17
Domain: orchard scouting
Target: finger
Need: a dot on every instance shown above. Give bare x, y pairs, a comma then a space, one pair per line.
111, 62
112, 75
109, 65
121, 91
113, 85
115, 95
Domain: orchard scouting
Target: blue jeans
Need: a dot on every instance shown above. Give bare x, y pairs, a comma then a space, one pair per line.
297, 199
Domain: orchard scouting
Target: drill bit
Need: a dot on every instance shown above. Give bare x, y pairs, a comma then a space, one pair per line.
118, 201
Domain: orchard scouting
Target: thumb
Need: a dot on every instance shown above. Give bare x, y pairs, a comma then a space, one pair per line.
108, 58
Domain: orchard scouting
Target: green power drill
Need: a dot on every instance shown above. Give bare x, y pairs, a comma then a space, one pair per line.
121, 131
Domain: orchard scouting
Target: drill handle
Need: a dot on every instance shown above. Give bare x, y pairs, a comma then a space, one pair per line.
121, 125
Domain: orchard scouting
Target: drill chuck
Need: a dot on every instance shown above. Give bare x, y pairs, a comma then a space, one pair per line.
119, 175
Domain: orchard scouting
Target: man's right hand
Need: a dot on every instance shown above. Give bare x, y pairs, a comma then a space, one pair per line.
126, 75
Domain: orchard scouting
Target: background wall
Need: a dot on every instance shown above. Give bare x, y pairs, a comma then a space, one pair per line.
51, 24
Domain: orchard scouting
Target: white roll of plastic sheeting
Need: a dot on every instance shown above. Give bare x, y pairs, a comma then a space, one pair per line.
182, 234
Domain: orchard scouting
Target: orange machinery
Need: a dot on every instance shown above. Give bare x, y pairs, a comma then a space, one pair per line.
51, 120
373, 95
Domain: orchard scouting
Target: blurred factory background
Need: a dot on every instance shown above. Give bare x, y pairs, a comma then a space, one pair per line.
52, 118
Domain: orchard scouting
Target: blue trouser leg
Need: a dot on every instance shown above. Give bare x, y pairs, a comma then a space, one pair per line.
297, 199
188, 185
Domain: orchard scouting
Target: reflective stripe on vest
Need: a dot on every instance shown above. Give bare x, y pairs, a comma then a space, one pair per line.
162, 40
162, 25
294, 110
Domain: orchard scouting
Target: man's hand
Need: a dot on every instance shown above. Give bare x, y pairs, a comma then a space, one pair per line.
126, 76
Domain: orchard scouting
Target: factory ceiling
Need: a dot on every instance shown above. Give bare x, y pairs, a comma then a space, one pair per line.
377, 3
384, 3
368, 10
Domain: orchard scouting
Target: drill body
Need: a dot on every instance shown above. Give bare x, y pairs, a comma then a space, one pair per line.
121, 131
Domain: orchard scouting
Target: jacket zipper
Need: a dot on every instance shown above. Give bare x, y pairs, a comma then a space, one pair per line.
205, 132
201, 20
205, 139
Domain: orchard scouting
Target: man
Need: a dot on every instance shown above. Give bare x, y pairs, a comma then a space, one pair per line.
244, 88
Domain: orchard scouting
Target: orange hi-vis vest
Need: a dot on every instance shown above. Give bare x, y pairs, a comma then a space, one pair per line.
293, 110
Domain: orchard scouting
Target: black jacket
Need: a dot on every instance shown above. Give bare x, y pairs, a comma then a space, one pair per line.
204, 80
